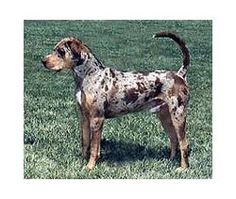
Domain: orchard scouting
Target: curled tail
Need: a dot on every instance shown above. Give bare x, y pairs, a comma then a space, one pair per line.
186, 58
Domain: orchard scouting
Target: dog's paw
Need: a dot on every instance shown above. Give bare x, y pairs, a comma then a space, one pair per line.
89, 166
181, 169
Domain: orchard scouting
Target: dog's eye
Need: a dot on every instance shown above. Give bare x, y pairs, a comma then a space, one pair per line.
61, 52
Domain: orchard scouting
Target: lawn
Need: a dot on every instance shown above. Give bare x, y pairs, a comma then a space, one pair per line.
134, 146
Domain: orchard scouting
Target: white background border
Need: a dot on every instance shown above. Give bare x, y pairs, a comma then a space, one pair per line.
224, 80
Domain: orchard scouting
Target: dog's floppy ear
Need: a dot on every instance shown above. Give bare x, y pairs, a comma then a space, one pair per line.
78, 49
75, 46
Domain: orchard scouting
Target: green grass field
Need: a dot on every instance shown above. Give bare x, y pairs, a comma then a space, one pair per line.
134, 146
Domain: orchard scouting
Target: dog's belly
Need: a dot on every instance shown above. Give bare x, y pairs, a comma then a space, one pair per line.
121, 108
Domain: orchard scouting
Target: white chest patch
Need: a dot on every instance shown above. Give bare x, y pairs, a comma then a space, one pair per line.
78, 97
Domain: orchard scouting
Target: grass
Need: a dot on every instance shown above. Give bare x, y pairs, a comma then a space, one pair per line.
133, 146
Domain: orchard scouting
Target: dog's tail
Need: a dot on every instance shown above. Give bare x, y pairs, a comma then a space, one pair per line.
186, 58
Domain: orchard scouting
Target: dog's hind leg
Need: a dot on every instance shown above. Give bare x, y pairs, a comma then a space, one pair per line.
166, 121
173, 121
179, 121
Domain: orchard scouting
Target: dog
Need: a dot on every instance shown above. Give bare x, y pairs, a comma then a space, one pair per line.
104, 92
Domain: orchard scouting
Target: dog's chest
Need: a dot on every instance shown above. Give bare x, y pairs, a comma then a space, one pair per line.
78, 97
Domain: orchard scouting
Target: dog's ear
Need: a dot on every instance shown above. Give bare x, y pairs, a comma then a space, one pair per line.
78, 49
75, 46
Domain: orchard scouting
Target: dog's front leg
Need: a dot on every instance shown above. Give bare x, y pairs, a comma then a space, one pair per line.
84, 133
96, 124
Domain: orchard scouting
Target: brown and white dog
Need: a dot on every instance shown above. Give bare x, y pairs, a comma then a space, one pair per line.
103, 92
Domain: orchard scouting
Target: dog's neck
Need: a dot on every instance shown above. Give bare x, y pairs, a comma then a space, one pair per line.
90, 66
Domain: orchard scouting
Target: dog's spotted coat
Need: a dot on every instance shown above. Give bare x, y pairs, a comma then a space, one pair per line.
104, 92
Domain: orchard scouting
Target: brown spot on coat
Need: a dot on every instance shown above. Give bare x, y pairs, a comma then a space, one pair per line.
131, 96
185, 91
153, 93
158, 88
112, 73
105, 105
106, 88
180, 100
157, 81
140, 77
102, 82
114, 83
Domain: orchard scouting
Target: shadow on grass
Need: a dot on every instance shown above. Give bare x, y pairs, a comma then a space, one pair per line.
114, 151
120, 151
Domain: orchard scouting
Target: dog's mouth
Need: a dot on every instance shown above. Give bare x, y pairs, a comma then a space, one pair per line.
58, 70
50, 69
48, 66
44, 62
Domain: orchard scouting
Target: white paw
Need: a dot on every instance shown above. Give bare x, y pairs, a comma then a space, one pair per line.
181, 169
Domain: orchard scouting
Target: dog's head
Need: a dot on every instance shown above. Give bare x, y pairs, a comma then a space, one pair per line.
67, 53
